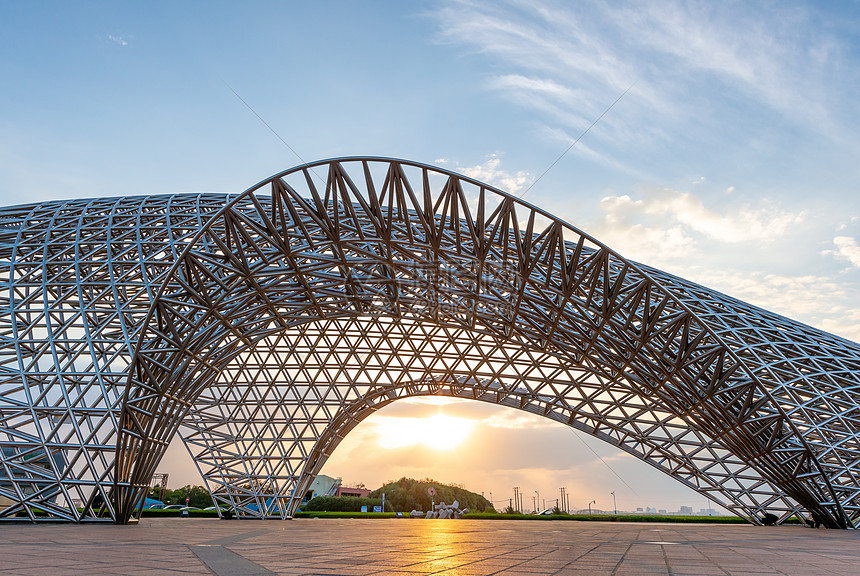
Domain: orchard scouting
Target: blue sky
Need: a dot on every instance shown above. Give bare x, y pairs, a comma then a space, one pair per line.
732, 160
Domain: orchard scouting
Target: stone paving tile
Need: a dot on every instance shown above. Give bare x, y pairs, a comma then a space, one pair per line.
412, 547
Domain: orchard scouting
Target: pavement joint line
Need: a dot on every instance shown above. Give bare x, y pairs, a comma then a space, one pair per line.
512, 566
465, 564
621, 560
238, 537
666, 560
739, 553
589, 551
224, 562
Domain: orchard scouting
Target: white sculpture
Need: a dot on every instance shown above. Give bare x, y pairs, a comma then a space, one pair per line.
444, 511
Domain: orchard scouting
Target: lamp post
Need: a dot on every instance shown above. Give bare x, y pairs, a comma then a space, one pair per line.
614, 505
589, 506
537, 499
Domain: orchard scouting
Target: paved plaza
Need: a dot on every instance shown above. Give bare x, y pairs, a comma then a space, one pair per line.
443, 547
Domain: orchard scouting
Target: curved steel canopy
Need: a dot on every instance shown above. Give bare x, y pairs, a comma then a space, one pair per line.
263, 327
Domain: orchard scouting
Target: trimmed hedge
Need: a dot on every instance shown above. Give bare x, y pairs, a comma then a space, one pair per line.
614, 518
159, 513
345, 514
343, 504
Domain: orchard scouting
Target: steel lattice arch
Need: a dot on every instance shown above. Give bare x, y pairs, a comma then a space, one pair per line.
262, 327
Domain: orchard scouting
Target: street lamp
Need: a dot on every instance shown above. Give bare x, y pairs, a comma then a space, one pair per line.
589, 506
537, 499
614, 505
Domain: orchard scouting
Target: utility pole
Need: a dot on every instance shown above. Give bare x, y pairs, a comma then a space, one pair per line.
614, 505
517, 496
537, 499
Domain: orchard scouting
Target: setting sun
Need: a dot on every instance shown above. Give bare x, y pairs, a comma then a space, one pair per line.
439, 432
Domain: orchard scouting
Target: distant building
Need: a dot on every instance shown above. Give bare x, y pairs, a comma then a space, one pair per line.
327, 486
353, 491
322, 486
685, 511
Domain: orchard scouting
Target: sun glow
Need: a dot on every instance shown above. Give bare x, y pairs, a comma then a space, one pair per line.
439, 432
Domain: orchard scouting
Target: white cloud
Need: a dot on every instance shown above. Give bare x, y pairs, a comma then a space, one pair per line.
845, 323
821, 301
846, 249
670, 224
732, 225
512, 420
762, 253
491, 173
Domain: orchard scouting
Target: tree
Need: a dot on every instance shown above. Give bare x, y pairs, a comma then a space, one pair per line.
198, 496
409, 494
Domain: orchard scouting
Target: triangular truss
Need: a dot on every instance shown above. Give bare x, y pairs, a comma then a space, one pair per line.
263, 327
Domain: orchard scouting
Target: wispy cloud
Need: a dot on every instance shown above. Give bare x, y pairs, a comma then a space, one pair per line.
768, 53
116, 39
564, 61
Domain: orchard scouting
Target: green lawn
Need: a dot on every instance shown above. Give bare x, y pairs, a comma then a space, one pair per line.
495, 516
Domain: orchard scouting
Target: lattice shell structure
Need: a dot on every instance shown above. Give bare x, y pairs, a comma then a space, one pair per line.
263, 327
